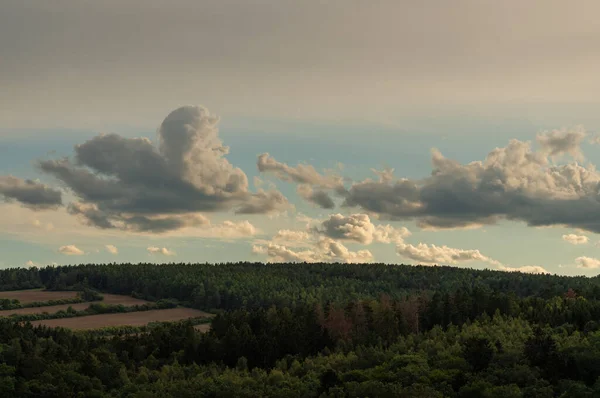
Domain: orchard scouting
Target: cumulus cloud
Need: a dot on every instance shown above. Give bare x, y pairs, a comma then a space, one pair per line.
359, 228
432, 254
111, 249
30, 264
325, 250
31, 194
529, 269
131, 184
514, 182
160, 251
576, 239
71, 250
313, 186
559, 142
587, 262
302, 246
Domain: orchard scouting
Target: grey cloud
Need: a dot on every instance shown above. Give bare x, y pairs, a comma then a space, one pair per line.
313, 186
129, 183
318, 197
264, 202
513, 183
271, 47
29, 193
302, 173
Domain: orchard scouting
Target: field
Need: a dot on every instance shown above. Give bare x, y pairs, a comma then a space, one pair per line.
132, 319
204, 327
108, 299
31, 295
96, 321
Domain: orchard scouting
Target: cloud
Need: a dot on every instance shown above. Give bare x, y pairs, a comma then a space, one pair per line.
312, 186
301, 246
229, 229
160, 251
318, 197
289, 238
530, 269
559, 142
587, 262
31, 194
359, 228
432, 254
576, 239
71, 250
131, 184
324, 251
111, 249
30, 264
48, 226
308, 221
289, 235
513, 182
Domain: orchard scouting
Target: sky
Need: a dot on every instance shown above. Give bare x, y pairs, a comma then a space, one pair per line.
460, 133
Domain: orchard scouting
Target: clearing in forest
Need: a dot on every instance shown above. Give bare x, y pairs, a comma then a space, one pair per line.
139, 318
203, 327
31, 295
112, 299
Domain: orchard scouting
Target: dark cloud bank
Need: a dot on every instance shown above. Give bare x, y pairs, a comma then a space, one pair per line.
515, 182
133, 184
30, 193
129, 183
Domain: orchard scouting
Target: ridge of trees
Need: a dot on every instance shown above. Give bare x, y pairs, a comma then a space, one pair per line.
317, 330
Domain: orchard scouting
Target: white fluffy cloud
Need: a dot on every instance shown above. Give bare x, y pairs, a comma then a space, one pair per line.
432, 254
325, 250
587, 262
359, 228
111, 249
576, 239
530, 269
160, 251
71, 250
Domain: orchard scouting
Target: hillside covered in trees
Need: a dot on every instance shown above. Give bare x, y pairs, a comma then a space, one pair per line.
316, 330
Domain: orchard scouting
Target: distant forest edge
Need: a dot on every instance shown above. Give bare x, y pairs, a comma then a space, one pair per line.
317, 330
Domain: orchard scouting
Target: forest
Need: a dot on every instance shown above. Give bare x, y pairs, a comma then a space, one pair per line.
314, 330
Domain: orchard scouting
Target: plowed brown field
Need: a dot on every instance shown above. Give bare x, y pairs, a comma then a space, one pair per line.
31, 295
132, 319
108, 299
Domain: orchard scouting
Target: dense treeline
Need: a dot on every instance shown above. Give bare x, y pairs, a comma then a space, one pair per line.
288, 353
251, 285
323, 330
